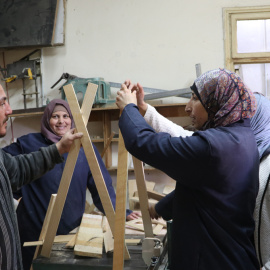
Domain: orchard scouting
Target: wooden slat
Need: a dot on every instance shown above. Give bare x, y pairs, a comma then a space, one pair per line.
60, 199
88, 101
157, 229
138, 227
107, 144
155, 195
143, 197
44, 229
137, 200
133, 242
92, 160
108, 237
89, 241
107, 132
168, 189
57, 239
120, 205
72, 241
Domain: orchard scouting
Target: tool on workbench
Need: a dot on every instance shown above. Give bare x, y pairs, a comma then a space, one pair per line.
103, 94
23, 69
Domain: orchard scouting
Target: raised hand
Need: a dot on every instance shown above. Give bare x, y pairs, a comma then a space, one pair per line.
66, 141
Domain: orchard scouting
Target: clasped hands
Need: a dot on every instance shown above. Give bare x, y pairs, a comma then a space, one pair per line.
131, 93
126, 95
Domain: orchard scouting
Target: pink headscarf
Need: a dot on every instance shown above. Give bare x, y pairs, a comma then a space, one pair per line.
45, 120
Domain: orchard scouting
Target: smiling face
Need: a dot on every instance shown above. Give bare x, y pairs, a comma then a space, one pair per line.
196, 112
5, 110
60, 122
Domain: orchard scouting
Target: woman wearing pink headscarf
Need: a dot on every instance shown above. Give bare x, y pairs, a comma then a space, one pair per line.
56, 121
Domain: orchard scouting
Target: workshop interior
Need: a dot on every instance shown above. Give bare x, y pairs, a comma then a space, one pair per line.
86, 47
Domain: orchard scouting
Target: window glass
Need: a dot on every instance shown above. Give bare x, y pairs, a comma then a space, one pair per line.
256, 77
253, 36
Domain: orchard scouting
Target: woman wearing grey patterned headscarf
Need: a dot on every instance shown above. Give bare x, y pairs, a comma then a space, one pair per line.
260, 124
216, 172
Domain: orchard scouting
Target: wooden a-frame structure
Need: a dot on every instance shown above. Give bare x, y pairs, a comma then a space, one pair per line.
116, 219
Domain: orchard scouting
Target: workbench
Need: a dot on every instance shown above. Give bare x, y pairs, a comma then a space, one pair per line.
64, 259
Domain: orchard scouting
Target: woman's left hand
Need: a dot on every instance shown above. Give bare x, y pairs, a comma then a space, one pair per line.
125, 96
134, 215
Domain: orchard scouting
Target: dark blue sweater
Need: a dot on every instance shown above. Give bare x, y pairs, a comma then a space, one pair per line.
217, 177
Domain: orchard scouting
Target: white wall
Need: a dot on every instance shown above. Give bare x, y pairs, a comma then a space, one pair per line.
155, 42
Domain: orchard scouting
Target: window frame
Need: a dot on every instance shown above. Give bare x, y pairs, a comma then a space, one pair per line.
230, 18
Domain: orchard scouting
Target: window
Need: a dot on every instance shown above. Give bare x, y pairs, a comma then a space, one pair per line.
247, 45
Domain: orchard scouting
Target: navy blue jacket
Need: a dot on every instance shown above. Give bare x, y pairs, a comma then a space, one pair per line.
217, 178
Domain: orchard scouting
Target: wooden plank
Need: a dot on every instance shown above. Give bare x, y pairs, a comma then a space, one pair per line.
107, 144
158, 228
88, 101
57, 239
92, 160
155, 195
168, 189
120, 205
33, 243
108, 237
133, 242
132, 187
138, 227
140, 179
72, 241
106, 132
60, 199
137, 200
63, 238
133, 221
160, 221
44, 229
89, 241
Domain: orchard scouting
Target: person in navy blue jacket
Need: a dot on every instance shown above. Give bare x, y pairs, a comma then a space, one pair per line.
56, 121
216, 172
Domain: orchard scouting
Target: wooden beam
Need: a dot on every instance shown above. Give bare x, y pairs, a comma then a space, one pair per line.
108, 237
120, 205
60, 199
44, 229
157, 229
107, 144
57, 239
72, 241
143, 197
155, 195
